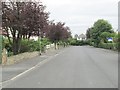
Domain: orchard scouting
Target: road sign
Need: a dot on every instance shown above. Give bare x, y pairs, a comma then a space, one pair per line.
109, 39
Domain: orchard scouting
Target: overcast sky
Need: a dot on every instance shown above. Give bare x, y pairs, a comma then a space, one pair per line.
79, 15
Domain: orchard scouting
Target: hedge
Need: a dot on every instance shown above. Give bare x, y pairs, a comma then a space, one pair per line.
113, 46
31, 45
79, 42
26, 45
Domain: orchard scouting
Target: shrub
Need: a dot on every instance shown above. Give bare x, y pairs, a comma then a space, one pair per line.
76, 42
113, 46
6, 44
73, 42
31, 45
10, 53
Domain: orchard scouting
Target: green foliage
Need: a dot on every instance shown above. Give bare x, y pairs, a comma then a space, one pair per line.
104, 36
102, 26
45, 41
10, 53
23, 22
31, 45
113, 46
72, 41
90, 42
6, 44
88, 33
98, 34
76, 42
98, 28
26, 45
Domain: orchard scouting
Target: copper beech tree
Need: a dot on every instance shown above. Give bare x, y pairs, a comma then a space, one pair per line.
21, 20
58, 31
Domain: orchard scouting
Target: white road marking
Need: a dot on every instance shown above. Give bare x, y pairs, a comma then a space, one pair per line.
42, 62
22, 73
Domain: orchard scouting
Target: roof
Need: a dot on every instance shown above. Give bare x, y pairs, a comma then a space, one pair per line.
82, 36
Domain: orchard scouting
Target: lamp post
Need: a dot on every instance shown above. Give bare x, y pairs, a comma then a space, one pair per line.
39, 41
44, 46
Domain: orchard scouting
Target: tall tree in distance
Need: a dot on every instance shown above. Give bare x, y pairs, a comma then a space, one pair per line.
57, 32
98, 28
88, 33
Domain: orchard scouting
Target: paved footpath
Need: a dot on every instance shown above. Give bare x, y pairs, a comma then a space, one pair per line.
10, 71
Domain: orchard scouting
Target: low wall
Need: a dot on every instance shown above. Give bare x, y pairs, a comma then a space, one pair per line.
17, 58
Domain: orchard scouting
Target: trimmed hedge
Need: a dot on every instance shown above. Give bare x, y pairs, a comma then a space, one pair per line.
113, 46
79, 42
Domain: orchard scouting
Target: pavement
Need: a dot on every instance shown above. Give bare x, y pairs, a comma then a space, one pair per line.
72, 67
10, 71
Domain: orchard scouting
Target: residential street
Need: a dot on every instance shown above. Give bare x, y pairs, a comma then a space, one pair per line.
72, 67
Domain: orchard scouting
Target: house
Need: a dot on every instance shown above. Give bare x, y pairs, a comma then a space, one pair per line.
82, 37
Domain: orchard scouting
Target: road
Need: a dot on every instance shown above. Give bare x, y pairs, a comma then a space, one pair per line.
73, 67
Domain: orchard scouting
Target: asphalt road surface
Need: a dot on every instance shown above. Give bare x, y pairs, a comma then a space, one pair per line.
73, 67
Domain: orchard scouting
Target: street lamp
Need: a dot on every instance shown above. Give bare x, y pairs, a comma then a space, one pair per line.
39, 41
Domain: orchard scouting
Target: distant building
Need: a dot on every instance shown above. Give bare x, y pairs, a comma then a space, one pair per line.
82, 37
76, 36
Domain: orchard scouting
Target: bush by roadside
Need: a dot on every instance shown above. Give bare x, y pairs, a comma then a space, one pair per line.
107, 45
76, 42
31, 45
112, 46
26, 45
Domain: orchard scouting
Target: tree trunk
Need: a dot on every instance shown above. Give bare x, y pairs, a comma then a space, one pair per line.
19, 45
55, 45
16, 46
58, 45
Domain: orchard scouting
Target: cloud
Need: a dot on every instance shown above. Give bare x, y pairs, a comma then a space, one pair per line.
81, 14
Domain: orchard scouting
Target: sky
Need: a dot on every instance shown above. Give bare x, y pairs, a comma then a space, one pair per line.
79, 15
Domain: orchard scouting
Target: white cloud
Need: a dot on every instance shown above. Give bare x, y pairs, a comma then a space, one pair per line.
81, 14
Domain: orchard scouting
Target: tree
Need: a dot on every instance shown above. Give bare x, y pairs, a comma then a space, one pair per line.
12, 22
88, 33
99, 27
66, 33
57, 32
21, 20
36, 20
104, 36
